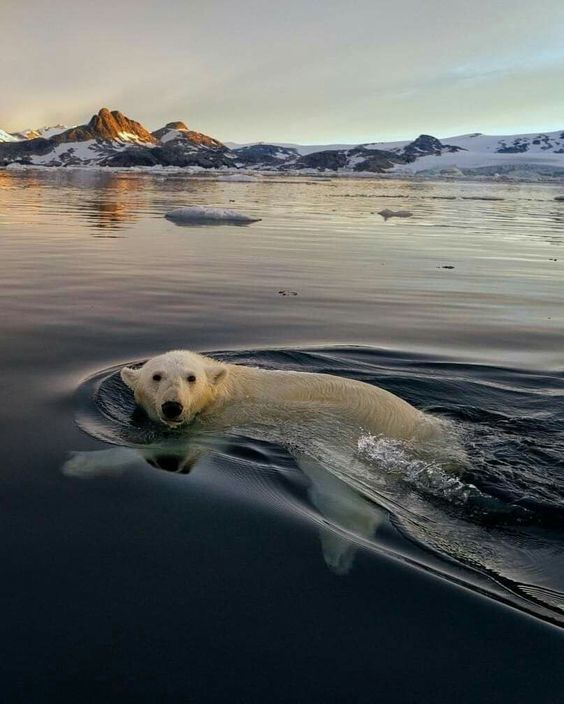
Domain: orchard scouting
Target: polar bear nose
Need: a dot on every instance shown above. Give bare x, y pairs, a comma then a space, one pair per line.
171, 409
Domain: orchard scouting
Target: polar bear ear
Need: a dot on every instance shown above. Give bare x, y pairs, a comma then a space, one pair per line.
130, 377
216, 373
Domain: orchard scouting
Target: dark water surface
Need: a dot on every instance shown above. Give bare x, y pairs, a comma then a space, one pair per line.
260, 576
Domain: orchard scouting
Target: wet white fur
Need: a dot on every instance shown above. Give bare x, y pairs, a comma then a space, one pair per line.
220, 388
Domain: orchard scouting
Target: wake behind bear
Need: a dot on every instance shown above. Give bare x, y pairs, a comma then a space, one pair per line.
179, 386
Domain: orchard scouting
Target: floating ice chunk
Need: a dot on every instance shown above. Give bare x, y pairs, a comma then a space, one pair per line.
482, 198
238, 178
200, 214
387, 213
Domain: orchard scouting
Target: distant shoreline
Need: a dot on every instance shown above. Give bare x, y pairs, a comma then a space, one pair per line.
266, 175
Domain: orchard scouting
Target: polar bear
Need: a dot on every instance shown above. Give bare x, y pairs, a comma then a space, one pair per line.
176, 387
317, 417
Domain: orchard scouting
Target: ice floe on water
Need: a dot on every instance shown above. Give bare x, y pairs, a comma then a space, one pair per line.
201, 214
387, 213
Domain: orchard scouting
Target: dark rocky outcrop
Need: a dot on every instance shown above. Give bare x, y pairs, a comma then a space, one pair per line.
264, 154
426, 145
331, 159
357, 159
168, 155
134, 156
176, 153
375, 160
518, 147
23, 151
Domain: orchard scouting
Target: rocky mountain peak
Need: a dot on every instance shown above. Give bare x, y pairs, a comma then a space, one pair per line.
179, 132
41, 132
112, 125
427, 145
108, 126
179, 125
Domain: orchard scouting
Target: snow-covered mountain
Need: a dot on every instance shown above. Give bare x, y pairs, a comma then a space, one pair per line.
113, 140
541, 152
90, 144
508, 144
7, 137
522, 156
538, 141
40, 132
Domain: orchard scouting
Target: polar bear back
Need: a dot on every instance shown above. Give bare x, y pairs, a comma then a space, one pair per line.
372, 409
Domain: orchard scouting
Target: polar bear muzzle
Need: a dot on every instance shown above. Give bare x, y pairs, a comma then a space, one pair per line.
172, 410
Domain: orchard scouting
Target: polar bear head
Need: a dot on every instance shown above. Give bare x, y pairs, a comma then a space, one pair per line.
173, 387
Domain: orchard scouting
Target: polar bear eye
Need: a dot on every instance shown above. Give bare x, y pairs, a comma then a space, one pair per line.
157, 377
190, 378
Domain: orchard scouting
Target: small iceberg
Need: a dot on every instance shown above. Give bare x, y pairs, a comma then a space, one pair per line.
387, 213
201, 214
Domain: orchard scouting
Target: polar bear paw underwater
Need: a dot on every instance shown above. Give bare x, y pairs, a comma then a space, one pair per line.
176, 387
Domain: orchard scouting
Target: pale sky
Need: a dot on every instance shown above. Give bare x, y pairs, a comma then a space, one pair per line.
295, 71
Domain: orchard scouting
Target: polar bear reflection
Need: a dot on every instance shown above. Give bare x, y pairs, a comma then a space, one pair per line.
346, 517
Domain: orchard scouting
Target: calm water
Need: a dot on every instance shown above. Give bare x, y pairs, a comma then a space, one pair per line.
258, 577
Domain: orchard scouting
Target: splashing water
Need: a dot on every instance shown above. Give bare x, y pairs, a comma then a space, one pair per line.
396, 457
